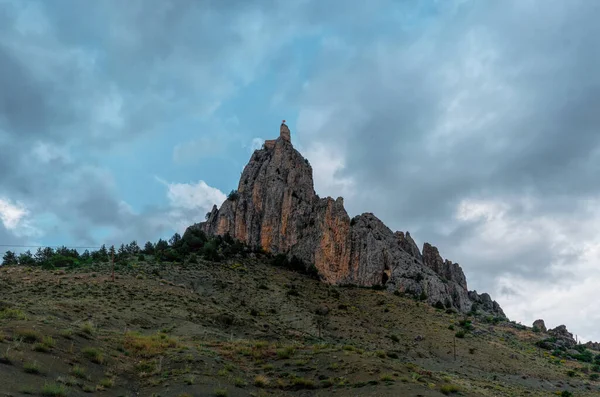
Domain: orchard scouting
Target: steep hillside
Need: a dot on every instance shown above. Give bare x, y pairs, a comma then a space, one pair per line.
245, 327
276, 208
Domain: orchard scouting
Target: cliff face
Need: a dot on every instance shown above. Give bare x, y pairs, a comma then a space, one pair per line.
277, 209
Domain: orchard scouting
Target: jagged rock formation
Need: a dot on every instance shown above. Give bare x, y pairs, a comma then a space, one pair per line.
485, 303
593, 345
540, 325
276, 208
563, 336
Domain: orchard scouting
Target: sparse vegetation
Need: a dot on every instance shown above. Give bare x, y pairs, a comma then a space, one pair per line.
263, 336
54, 390
261, 381
31, 368
221, 392
449, 389
93, 354
12, 314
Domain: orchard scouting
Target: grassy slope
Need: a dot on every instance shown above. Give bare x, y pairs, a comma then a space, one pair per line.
244, 328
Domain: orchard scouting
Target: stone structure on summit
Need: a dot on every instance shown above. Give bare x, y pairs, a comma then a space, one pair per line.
276, 208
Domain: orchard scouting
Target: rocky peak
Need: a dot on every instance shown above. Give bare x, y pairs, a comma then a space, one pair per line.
540, 325
284, 132
444, 268
277, 209
408, 245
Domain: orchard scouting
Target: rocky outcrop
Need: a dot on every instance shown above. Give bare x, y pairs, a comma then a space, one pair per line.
276, 208
562, 336
485, 303
593, 345
408, 245
539, 325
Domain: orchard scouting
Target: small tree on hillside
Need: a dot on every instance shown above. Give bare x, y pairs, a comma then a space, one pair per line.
26, 259
321, 319
161, 245
133, 248
9, 259
149, 248
122, 254
111, 252
175, 240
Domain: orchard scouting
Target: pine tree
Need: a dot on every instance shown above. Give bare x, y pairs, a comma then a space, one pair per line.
149, 248
26, 259
133, 248
9, 259
175, 240
122, 254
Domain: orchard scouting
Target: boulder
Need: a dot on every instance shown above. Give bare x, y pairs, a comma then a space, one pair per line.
539, 325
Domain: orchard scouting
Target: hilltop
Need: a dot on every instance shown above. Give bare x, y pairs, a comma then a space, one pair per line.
249, 325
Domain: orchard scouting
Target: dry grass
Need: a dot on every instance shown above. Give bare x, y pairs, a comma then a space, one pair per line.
148, 345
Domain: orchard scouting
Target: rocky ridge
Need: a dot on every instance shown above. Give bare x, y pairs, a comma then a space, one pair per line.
276, 208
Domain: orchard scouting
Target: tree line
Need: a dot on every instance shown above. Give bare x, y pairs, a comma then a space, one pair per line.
175, 249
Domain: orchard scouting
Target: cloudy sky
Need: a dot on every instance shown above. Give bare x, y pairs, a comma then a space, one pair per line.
472, 124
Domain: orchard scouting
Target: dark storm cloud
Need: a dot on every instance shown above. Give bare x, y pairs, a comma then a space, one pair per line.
140, 62
492, 101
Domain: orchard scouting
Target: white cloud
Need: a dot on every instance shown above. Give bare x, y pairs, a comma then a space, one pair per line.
511, 230
327, 165
189, 202
15, 218
256, 144
11, 214
191, 196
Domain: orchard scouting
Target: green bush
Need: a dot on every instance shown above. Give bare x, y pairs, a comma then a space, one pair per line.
449, 389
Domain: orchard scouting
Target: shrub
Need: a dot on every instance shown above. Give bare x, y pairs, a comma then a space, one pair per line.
54, 390
12, 314
571, 373
460, 334
594, 376
86, 328
233, 195
302, 383
394, 338
28, 335
439, 305
107, 382
239, 382
449, 389
94, 355
221, 392
78, 372
31, 368
261, 381
148, 345
286, 352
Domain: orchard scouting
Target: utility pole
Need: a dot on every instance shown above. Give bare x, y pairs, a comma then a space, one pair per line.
454, 347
